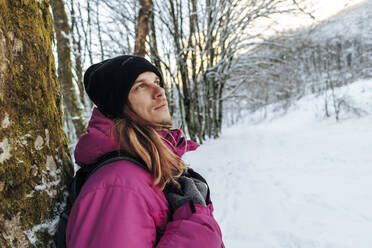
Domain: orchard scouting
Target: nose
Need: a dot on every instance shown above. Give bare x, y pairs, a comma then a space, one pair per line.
159, 92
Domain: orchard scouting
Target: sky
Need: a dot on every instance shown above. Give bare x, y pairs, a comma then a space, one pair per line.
327, 8
319, 9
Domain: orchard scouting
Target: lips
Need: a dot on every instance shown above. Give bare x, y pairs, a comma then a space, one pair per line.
161, 106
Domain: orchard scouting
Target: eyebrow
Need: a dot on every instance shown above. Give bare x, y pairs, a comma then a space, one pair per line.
142, 80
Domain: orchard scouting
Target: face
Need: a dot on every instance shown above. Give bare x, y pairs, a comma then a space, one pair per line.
148, 99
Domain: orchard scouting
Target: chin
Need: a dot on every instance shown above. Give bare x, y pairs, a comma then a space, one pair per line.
159, 118
165, 121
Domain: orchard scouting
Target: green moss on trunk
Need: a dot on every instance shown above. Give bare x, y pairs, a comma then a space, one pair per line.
34, 159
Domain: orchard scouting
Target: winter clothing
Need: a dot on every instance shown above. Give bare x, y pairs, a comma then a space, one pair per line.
202, 187
119, 207
190, 193
108, 83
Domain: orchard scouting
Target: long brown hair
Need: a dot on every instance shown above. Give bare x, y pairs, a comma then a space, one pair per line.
139, 138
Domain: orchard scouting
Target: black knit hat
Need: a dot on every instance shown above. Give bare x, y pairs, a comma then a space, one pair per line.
108, 83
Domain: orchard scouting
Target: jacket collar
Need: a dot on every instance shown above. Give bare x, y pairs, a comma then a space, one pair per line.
175, 141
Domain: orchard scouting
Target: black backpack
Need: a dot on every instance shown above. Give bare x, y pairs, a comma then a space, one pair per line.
78, 181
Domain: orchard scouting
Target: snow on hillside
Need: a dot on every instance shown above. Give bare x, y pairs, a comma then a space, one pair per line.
350, 23
295, 179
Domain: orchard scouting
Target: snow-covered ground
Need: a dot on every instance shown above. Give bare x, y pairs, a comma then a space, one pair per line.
295, 179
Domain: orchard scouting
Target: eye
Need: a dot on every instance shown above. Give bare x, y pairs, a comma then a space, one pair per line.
139, 86
157, 82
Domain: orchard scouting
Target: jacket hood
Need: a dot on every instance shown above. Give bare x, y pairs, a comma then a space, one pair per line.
99, 140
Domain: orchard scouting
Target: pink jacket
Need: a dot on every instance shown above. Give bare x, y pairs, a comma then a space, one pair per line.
119, 207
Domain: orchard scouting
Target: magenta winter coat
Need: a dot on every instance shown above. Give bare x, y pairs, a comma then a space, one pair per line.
119, 207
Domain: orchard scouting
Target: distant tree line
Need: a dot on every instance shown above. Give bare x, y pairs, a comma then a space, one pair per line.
284, 68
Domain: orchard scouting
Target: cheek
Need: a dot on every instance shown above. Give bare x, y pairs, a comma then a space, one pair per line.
141, 110
140, 106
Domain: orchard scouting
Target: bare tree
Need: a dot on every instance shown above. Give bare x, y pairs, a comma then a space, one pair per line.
88, 31
99, 34
72, 107
143, 26
78, 53
204, 38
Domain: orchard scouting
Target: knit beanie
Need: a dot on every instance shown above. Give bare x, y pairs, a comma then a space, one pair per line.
108, 83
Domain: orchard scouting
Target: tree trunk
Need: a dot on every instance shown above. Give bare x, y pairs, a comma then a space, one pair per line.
34, 158
78, 58
98, 23
143, 26
154, 52
88, 33
71, 109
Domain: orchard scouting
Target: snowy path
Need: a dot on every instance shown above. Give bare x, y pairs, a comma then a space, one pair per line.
291, 183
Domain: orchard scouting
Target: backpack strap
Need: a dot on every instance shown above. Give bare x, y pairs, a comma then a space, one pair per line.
113, 157
85, 172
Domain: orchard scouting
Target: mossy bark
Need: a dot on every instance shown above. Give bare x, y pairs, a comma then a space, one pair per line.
34, 157
72, 111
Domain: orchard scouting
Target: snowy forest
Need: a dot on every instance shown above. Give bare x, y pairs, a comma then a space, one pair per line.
283, 114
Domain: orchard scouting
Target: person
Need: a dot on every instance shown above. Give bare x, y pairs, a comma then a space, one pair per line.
122, 204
